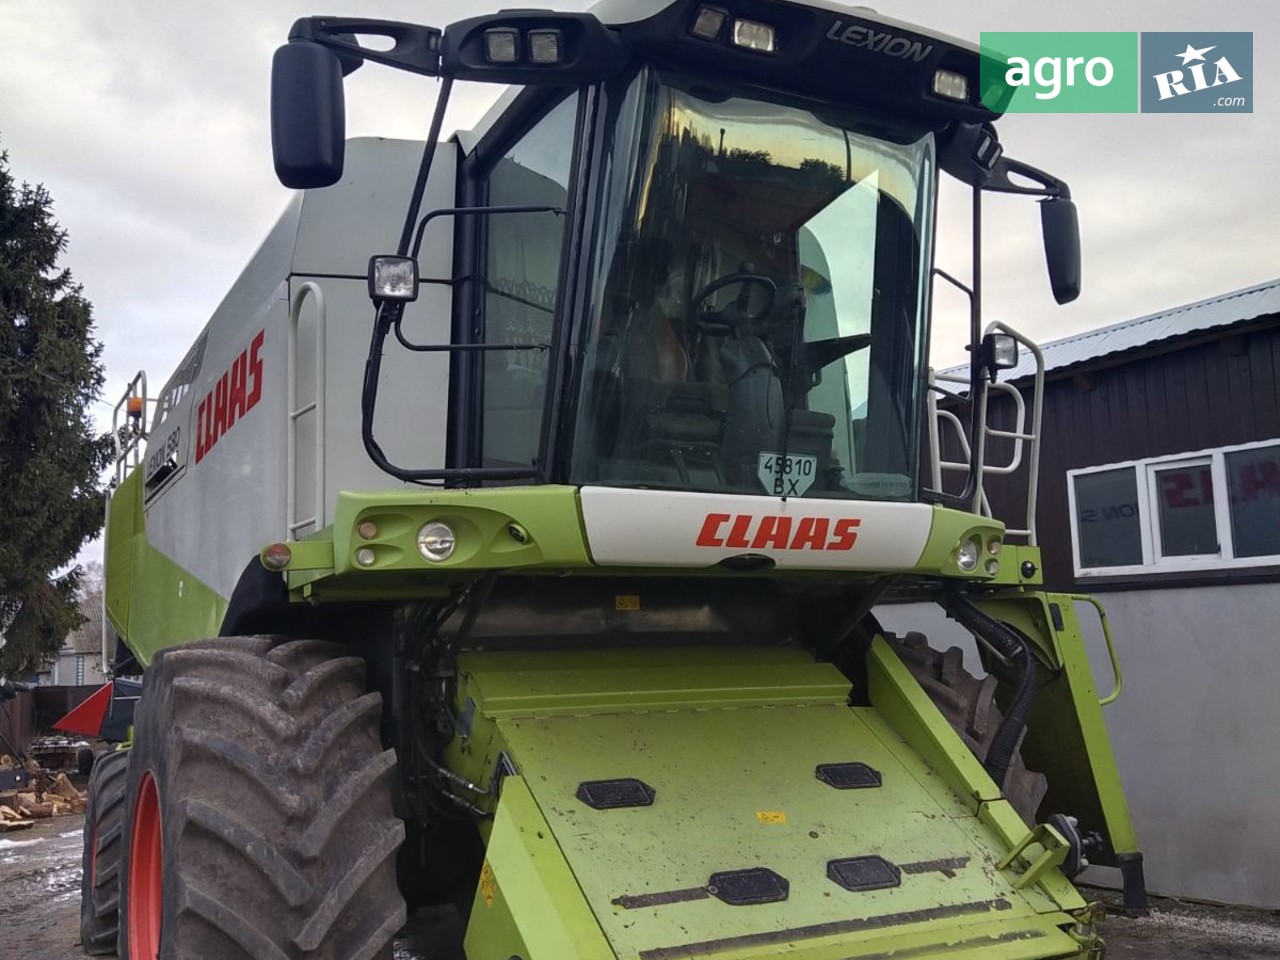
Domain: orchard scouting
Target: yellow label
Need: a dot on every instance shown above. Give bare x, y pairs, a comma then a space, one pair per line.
488, 884
771, 816
626, 601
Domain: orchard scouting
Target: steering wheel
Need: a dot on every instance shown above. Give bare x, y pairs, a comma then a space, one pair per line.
733, 318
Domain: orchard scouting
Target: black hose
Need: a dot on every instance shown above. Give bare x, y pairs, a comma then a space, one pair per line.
1015, 648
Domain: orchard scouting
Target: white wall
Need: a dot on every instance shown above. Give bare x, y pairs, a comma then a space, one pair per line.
1196, 732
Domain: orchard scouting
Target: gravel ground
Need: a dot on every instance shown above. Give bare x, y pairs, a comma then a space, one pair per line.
40, 913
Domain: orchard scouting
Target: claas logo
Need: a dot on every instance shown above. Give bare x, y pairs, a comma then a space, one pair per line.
237, 392
746, 532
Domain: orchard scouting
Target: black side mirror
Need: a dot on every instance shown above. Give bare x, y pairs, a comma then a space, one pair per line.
1061, 229
308, 115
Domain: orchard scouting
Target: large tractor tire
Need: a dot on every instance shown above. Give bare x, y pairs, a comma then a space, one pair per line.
969, 704
103, 846
260, 824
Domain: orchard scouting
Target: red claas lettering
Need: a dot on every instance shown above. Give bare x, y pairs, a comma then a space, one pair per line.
775, 532
234, 394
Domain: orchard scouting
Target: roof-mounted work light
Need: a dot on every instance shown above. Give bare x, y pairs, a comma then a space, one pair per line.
751, 35
709, 22
502, 45
952, 85
544, 46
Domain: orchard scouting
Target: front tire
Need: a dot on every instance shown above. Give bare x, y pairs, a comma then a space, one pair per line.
969, 704
260, 824
103, 846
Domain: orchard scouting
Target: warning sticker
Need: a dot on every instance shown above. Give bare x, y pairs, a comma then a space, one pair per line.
626, 601
771, 816
488, 884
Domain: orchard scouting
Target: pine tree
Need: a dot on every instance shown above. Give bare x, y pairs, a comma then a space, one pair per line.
51, 458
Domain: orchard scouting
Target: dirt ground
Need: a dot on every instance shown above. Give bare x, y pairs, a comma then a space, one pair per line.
40, 919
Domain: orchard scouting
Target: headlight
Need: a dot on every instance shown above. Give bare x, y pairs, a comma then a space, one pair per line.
436, 541
967, 556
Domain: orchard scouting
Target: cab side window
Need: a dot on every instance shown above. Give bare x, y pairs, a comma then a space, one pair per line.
522, 269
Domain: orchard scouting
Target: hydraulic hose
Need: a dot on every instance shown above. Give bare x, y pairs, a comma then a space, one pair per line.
1015, 648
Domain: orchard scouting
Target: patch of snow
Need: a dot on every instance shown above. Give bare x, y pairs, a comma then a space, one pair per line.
6, 844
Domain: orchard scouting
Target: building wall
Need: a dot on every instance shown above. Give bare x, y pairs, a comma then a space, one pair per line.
64, 669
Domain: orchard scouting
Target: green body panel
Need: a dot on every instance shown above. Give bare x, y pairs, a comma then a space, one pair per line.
558, 683
1067, 735
527, 903
124, 528
151, 601
729, 739
169, 606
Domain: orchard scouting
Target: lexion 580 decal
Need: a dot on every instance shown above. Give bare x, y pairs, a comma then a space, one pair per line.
659, 528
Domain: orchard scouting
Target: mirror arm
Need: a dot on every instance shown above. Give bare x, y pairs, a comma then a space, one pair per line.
1050, 186
417, 48
424, 170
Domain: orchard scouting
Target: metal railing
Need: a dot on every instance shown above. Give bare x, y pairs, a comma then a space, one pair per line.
127, 436
316, 520
1020, 435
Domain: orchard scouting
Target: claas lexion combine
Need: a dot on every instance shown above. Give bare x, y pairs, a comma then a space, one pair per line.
551, 592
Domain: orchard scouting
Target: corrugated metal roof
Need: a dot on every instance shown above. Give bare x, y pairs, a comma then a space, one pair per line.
1221, 311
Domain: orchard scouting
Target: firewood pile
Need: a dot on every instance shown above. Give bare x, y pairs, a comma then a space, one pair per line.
45, 795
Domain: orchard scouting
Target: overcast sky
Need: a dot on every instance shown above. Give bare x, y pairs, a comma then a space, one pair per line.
148, 123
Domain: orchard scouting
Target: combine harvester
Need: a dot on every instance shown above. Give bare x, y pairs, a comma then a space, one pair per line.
546, 586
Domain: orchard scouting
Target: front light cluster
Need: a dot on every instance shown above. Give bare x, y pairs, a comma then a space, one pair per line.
969, 554
509, 45
709, 24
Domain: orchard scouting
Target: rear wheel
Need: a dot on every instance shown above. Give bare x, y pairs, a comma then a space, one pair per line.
85, 759
260, 824
103, 844
969, 705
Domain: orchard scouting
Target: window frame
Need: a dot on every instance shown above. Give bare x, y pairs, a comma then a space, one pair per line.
1154, 561
466, 372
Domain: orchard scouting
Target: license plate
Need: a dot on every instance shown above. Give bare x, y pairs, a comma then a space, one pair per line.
788, 476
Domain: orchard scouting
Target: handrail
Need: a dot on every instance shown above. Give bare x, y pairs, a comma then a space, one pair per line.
975, 459
1117, 676
1037, 412
137, 432
293, 525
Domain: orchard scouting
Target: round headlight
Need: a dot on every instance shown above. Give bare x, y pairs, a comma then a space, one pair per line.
967, 556
436, 541
366, 557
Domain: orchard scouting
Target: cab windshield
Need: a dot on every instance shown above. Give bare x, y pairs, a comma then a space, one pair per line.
758, 299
